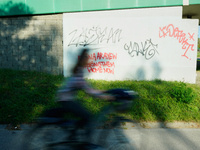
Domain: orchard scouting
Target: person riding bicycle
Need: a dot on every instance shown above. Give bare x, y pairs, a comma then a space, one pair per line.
68, 92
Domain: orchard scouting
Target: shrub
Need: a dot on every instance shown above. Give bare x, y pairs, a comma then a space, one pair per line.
182, 93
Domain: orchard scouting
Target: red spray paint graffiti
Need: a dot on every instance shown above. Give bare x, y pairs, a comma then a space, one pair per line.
100, 63
175, 32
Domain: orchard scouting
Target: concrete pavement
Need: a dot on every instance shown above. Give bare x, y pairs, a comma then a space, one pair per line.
146, 136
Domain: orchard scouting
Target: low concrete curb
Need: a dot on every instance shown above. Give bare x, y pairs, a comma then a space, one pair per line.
151, 125
126, 125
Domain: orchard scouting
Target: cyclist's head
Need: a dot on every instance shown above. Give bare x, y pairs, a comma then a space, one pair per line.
82, 60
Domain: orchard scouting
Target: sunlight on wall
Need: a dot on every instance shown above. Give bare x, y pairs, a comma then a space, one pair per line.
199, 32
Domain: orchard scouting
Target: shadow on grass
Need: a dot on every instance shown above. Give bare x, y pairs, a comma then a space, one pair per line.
26, 44
25, 95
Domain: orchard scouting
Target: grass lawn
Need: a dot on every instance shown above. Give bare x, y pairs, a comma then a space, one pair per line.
198, 53
24, 95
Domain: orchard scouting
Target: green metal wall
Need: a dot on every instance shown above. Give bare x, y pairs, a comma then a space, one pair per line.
194, 1
23, 7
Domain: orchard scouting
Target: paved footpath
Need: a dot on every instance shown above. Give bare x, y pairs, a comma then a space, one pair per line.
154, 136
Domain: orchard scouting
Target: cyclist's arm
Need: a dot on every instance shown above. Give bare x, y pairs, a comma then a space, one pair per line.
97, 93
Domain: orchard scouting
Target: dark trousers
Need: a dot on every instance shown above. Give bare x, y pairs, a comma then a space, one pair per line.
76, 109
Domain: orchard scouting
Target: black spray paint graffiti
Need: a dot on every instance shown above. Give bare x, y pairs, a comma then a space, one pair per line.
147, 49
94, 36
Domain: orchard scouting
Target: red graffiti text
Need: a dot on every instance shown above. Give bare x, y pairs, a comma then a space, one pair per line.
175, 32
100, 56
100, 63
101, 67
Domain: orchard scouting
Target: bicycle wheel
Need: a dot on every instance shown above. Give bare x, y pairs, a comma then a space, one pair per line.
120, 141
114, 137
46, 137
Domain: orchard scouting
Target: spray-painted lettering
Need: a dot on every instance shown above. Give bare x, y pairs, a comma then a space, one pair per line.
100, 70
175, 32
100, 56
147, 49
100, 63
94, 36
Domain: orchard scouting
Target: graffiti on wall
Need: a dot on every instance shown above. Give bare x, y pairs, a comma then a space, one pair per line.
101, 63
182, 37
124, 46
94, 36
147, 49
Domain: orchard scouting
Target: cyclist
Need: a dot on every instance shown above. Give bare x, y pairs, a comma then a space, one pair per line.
67, 93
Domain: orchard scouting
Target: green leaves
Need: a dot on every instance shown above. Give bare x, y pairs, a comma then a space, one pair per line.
182, 93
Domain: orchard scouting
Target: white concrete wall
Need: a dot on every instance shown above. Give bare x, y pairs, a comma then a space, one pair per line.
139, 44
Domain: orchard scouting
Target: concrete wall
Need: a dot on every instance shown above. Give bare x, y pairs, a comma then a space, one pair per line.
134, 44
32, 43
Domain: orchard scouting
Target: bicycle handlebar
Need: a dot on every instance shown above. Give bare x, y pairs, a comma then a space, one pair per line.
124, 98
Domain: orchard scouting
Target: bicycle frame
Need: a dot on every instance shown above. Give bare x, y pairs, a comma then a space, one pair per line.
71, 140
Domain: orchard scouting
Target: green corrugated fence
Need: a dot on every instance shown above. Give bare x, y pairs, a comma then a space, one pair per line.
194, 1
27, 7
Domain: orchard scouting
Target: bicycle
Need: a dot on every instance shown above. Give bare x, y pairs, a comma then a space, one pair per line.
47, 136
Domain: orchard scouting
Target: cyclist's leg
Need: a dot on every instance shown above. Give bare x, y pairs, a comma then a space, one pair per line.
57, 112
79, 111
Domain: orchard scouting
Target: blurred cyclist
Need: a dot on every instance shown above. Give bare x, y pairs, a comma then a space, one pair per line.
68, 92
